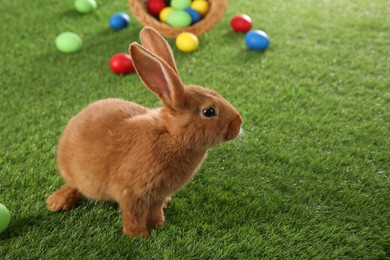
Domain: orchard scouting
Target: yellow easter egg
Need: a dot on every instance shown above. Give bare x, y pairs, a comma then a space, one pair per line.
201, 6
164, 14
187, 42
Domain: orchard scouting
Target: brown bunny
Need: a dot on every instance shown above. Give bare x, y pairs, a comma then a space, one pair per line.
136, 156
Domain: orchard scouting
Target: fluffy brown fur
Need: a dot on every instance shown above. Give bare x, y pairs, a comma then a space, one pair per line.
138, 157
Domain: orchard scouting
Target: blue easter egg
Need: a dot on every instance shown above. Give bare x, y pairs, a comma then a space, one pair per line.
195, 16
119, 21
257, 40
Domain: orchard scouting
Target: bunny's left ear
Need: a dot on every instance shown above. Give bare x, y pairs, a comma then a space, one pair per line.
158, 76
156, 44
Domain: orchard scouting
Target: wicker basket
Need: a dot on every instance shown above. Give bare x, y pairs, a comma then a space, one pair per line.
216, 11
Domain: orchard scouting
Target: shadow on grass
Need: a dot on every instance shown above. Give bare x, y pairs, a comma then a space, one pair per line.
70, 13
20, 226
75, 15
46, 221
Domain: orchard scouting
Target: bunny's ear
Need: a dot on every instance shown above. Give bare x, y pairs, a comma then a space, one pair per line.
156, 44
158, 76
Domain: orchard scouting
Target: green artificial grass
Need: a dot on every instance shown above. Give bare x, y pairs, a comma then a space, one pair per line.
309, 180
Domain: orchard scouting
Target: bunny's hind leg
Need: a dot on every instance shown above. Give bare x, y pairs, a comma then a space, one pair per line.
63, 199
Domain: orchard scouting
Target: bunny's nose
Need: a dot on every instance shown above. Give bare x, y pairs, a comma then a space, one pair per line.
234, 128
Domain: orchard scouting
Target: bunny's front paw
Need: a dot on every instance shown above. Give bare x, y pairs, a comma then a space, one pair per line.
63, 199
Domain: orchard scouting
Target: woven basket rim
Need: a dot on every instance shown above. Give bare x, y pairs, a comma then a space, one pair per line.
216, 12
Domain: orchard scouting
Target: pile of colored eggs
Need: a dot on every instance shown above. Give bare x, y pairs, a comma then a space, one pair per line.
178, 13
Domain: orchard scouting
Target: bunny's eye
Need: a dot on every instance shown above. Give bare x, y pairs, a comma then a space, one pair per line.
209, 112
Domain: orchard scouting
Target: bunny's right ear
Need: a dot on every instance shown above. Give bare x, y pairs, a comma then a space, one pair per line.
156, 44
158, 76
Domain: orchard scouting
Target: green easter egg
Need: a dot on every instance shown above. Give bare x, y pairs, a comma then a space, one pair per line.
179, 18
68, 42
85, 6
180, 4
5, 218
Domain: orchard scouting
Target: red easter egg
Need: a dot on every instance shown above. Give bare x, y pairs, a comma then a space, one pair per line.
121, 63
241, 23
154, 7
